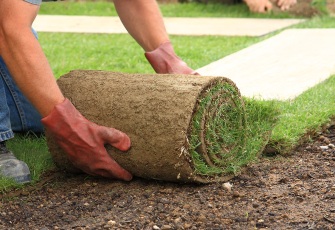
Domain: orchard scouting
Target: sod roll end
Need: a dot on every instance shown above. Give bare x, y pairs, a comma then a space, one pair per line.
183, 128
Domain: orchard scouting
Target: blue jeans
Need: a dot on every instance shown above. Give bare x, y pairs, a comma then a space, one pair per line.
17, 114
35, 2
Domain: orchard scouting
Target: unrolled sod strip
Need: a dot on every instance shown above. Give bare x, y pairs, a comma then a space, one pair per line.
182, 127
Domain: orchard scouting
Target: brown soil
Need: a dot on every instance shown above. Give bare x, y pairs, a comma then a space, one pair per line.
294, 192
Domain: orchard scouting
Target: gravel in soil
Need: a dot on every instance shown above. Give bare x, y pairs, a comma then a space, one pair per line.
294, 192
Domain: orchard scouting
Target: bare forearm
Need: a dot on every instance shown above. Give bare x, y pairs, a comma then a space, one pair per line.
144, 22
32, 73
25, 59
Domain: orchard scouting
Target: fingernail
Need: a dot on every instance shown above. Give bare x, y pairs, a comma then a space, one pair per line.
128, 177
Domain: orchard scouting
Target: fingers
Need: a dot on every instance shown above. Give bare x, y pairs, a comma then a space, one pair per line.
115, 138
102, 164
114, 170
107, 167
286, 4
265, 6
97, 162
259, 6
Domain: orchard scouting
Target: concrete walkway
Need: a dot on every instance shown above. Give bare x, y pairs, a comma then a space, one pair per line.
174, 26
281, 67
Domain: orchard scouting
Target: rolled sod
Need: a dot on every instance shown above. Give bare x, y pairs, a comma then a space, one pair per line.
182, 127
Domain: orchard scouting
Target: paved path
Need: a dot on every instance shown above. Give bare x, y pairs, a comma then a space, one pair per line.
175, 26
281, 67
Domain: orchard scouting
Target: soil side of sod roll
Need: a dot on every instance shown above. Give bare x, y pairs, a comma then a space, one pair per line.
183, 128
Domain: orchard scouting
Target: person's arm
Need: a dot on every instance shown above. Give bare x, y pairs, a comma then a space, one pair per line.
82, 140
24, 56
144, 22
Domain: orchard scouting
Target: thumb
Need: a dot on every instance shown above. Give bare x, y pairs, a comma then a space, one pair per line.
116, 138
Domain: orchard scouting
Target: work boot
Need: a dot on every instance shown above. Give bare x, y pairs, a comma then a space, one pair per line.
11, 167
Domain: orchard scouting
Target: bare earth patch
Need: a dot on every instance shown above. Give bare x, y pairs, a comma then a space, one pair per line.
294, 192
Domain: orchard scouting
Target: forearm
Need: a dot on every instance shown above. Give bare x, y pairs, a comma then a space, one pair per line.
32, 73
25, 59
144, 22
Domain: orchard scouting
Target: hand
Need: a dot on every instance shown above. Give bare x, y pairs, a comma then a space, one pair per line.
164, 60
259, 6
286, 4
84, 141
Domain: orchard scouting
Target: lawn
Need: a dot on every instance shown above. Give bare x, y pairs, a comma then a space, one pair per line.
67, 51
102, 8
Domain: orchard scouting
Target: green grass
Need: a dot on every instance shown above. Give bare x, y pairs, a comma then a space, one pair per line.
212, 154
32, 150
321, 5
168, 10
78, 8
318, 22
303, 117
234, 135
120, 53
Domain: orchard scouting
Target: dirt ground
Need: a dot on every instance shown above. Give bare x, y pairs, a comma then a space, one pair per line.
294, 192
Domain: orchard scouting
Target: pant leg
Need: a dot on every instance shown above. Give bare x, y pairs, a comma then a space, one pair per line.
23, 115
5, 126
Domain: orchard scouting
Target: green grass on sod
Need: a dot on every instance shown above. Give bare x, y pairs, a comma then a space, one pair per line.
234, 134
218, 135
